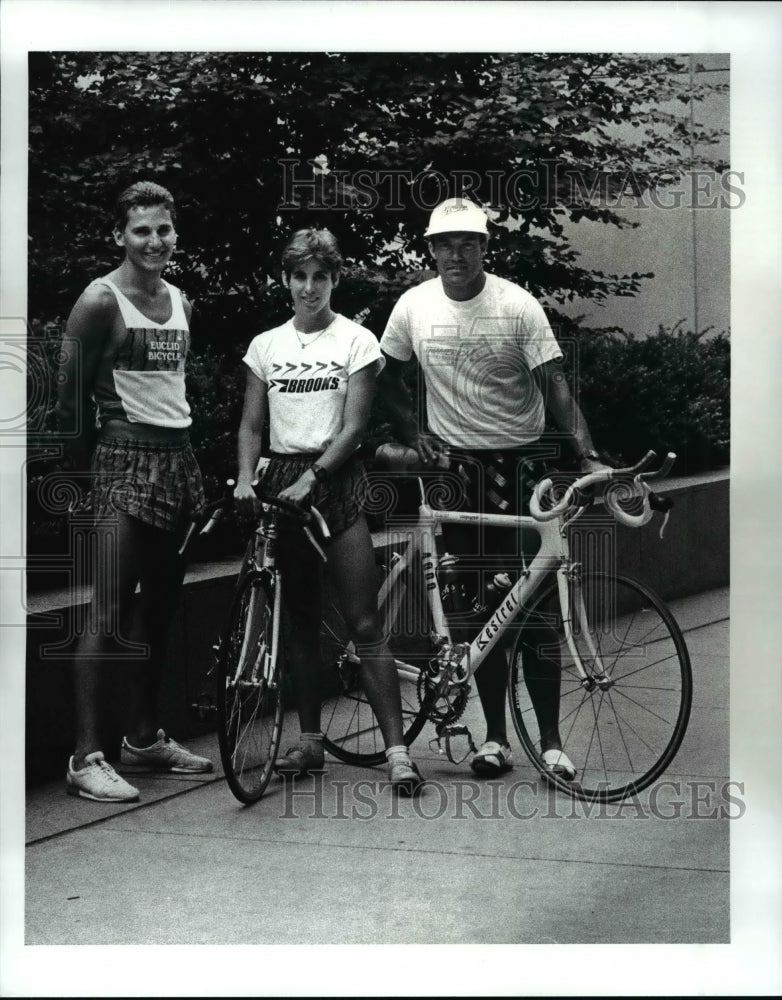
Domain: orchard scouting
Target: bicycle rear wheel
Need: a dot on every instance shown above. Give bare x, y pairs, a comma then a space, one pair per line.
351, 730
622, 735
249, 679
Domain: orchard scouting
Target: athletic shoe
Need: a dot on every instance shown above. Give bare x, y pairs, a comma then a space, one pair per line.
300, 760
164, 755
492, 758
405, 777
558, 763
98, 781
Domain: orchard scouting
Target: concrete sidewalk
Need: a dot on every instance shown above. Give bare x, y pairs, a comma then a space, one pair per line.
339, 861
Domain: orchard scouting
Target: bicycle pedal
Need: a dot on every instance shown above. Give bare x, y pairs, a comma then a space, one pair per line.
449, 733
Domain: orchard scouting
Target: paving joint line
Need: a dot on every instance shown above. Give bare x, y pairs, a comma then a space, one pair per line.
417, 850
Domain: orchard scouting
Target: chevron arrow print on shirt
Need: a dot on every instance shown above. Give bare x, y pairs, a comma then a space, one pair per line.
292, 371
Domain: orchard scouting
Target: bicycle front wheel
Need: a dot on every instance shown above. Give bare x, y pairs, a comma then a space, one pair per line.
624, 726
249, 679
351, 729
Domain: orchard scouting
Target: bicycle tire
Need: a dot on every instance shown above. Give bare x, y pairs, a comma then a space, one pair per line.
623, 738
350, 727
249, 686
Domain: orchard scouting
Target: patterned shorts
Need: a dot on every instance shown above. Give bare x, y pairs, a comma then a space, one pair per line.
498, 481
492, 482
337, 499
157, 482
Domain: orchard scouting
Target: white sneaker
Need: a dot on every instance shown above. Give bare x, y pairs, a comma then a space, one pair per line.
98, 781
164, 755
404, 776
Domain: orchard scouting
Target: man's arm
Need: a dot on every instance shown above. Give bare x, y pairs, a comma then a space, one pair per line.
565, 412
399, 403
86, 332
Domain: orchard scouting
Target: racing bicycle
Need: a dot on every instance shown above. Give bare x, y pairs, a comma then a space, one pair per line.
624, 671
251, 665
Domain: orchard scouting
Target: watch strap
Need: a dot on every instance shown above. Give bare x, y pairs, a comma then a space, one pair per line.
319, 472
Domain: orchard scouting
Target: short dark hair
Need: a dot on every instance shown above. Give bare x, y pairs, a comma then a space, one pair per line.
307, 244
144, 194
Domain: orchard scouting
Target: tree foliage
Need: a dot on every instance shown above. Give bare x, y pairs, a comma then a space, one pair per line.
372, 141
234, 135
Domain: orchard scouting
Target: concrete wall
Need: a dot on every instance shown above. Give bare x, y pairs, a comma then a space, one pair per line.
683, 238
694, 556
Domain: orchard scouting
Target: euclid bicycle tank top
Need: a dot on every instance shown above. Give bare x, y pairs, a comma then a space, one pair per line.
141, 377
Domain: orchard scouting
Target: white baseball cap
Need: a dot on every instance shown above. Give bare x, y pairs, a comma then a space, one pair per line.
457, 215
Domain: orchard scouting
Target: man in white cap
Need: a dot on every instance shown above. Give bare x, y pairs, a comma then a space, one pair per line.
492, 369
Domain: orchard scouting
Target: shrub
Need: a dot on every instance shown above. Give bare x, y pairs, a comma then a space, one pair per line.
669, 392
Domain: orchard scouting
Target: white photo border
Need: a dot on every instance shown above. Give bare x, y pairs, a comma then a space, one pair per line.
750, 33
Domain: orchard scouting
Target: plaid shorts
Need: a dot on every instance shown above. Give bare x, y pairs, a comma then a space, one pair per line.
498, 481
492, 482
337, 499
157, 482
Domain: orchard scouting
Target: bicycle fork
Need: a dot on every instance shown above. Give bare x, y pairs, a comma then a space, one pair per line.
263, 657
571, 599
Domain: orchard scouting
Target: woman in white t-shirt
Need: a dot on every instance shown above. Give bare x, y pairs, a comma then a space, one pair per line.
313, 378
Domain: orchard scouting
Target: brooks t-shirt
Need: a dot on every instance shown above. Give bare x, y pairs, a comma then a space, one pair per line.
307, 380
477, 357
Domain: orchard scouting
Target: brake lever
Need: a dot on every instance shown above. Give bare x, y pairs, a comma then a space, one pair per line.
313, 543
662, 504
321, 521
218, 513
584, 497
664, 469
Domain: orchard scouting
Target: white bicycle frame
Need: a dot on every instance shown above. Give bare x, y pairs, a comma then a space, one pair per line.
553, 555
264, 662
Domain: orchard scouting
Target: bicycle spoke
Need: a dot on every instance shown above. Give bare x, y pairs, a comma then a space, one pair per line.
643, 707
352, 732
623, 732
250, 707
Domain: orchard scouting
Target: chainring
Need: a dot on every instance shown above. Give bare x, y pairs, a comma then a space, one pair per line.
447, 707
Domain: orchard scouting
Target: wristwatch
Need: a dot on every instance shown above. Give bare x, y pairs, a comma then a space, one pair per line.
591, 454
319, 472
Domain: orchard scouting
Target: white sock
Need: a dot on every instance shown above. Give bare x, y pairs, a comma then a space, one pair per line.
400, 753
